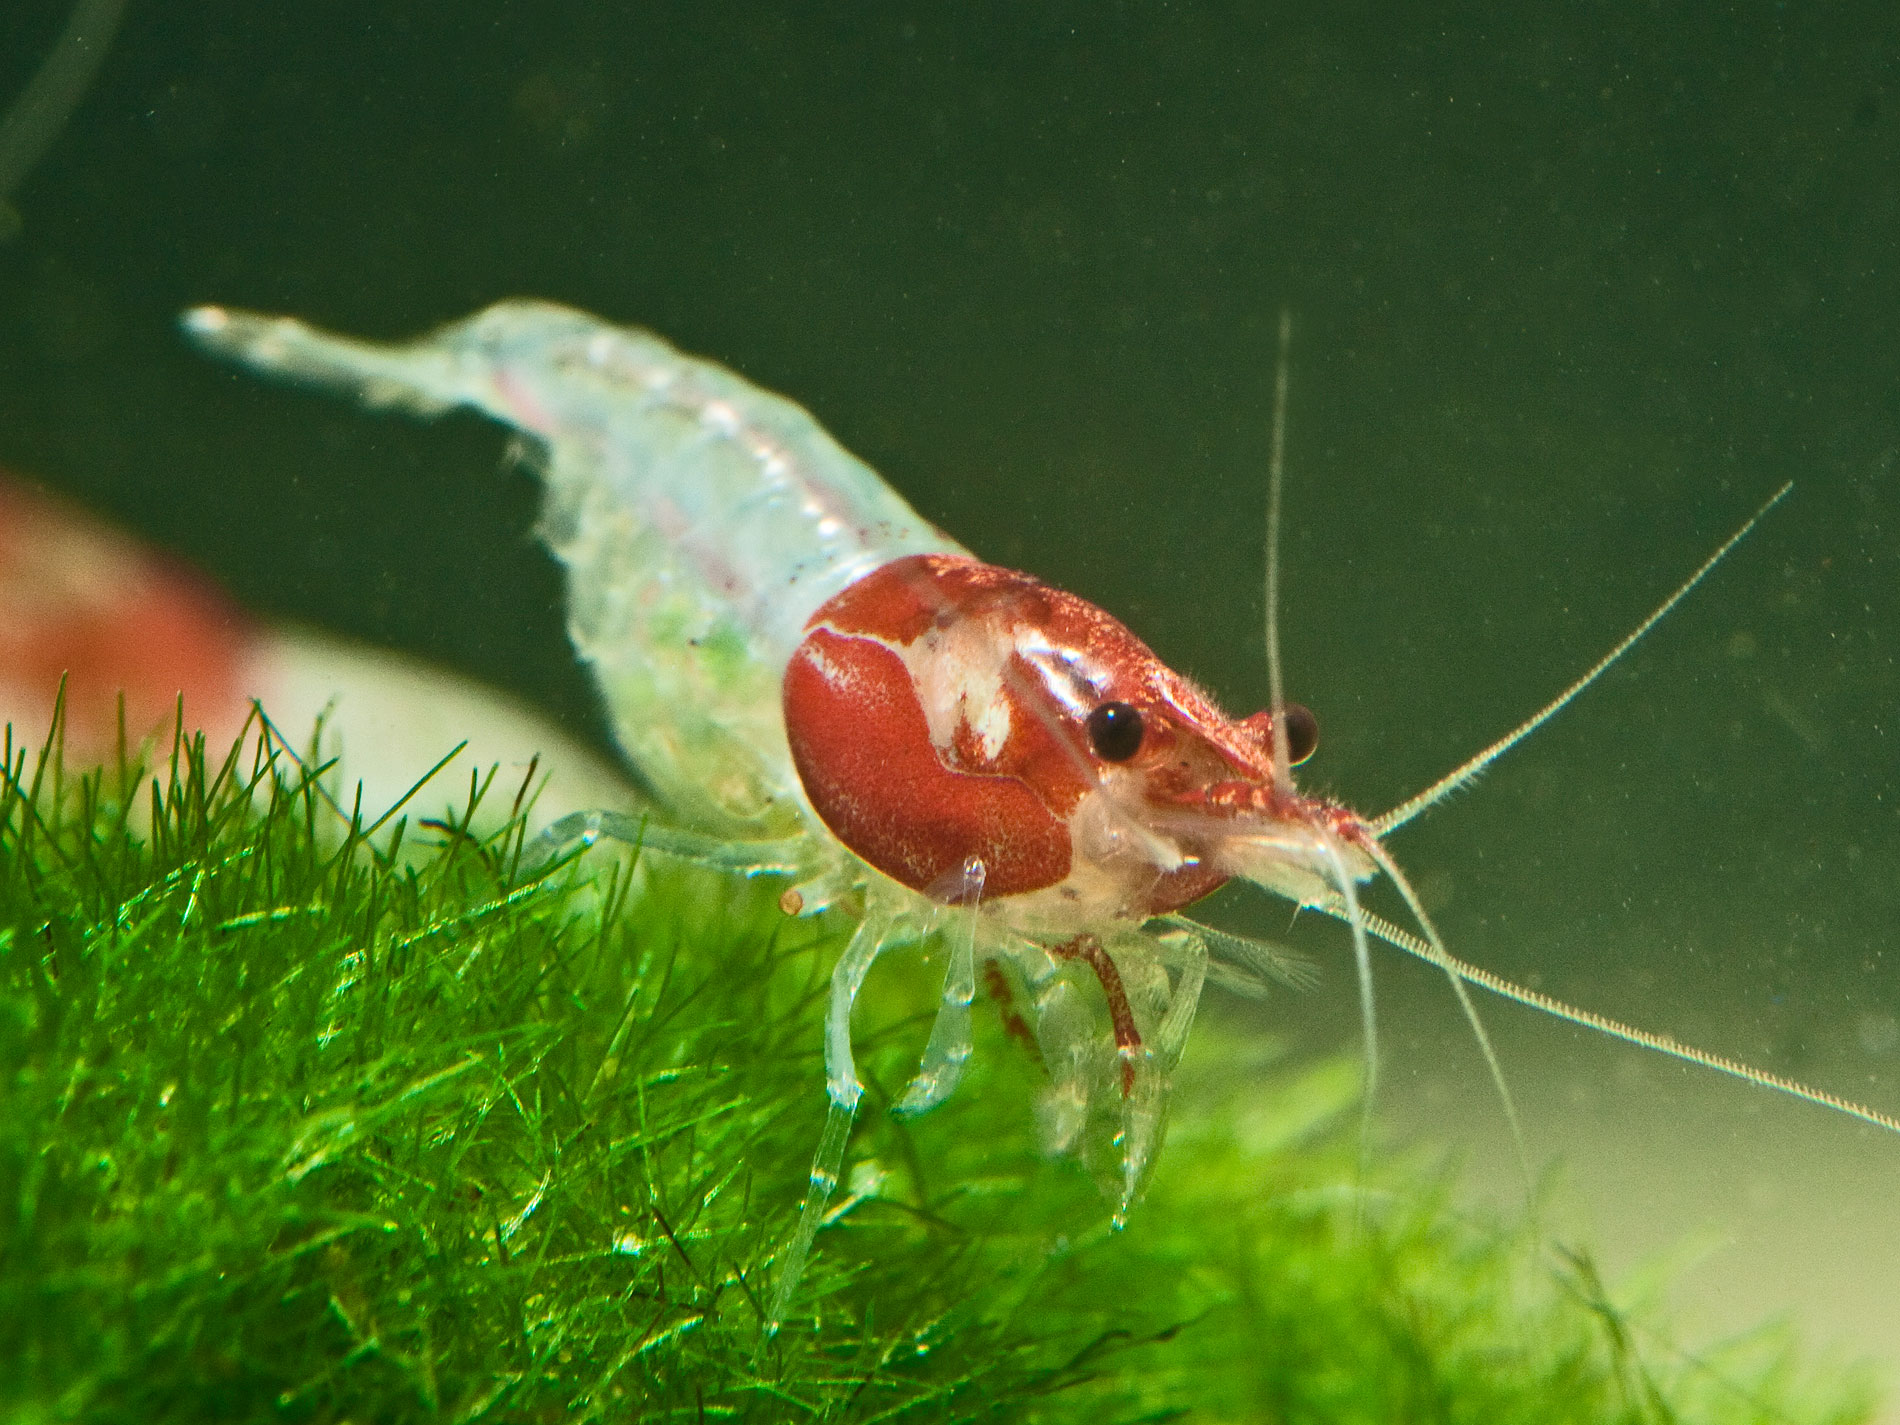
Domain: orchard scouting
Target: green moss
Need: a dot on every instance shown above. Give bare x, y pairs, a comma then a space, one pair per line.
292, 1128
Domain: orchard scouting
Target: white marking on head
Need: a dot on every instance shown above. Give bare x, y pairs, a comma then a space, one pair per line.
957, 672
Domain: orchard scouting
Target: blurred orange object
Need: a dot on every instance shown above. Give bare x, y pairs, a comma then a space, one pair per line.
81, 599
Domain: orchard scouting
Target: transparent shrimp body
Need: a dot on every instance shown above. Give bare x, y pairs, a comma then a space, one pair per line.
704, 525
701, 521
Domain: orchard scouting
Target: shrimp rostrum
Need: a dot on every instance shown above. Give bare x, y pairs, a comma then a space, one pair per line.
818, 684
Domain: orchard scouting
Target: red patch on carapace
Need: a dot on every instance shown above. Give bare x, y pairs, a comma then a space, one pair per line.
863, 752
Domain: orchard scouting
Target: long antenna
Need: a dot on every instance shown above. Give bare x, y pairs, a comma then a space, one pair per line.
1464, 773
1589, 1019
1276, 478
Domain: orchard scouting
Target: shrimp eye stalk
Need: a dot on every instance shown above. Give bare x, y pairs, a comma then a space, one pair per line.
1115, 731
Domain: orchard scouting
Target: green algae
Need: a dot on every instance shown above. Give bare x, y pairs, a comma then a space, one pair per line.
297, 1126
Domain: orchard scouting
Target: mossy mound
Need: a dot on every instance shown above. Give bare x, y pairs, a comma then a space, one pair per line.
298, 1127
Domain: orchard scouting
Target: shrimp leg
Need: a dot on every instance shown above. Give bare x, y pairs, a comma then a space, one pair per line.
847, 979
949, 1046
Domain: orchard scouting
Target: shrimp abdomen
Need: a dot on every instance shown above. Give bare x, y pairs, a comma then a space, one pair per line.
701, 521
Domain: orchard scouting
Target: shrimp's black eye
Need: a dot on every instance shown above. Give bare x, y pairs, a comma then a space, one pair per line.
1115, 731
1302, 733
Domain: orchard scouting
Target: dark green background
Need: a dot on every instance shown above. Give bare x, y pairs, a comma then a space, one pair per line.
1575, 287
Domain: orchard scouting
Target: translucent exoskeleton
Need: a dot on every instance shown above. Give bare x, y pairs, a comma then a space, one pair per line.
818, 684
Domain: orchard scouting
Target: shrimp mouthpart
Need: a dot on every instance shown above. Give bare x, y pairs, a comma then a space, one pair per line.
1293, 846
1301, 862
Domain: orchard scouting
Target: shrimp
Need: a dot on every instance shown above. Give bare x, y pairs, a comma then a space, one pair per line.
818, 684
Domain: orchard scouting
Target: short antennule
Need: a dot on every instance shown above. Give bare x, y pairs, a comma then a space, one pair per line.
1442, 957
